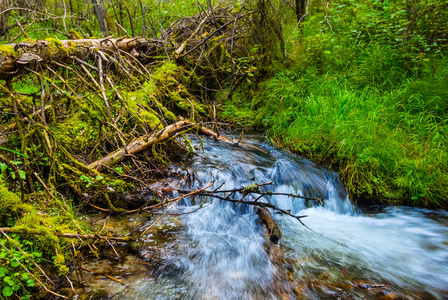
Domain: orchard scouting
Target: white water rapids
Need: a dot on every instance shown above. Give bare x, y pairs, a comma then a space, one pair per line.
376, 253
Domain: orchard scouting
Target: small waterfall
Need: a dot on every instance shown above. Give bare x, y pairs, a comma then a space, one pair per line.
394, 252
226, 258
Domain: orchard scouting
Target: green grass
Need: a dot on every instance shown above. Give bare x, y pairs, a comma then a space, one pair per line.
368, 95
389, 135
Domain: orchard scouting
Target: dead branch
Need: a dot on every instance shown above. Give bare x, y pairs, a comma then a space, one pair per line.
254, 203
139, 145
65, 235
176, 200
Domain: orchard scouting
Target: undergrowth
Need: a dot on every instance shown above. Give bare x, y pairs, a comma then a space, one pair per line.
21, 254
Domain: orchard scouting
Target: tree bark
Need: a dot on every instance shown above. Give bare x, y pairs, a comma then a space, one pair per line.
300, 9
139, 145
100, 12
49, 50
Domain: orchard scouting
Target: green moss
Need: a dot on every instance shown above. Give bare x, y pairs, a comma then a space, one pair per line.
169, 115
55, 46
252, 188
74, 34
29, 41
8, 50
59, 262
72, 48
11, 206
77, 132
150, 119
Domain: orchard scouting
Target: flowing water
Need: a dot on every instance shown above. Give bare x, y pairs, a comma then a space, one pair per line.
380, 253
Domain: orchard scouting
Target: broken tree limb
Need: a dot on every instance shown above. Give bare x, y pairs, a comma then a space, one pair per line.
255, 203
139, 145
66, 235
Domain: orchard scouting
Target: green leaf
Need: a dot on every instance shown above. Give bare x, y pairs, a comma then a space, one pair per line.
14, 263
7, 291
30, 282
22, 174
3, 271
18, 153
15, 287
8, 280
3, 167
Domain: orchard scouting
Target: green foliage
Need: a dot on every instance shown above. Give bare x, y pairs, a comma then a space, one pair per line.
13, 278
373, 93
11, 207
45, 216
241, 116
389, 143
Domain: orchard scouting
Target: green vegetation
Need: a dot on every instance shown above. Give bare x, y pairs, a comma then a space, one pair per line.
360, 86
369, 97
21, 254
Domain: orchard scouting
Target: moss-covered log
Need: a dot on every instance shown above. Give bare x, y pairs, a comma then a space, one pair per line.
14, 58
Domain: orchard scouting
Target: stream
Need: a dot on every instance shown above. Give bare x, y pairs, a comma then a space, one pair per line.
221, 252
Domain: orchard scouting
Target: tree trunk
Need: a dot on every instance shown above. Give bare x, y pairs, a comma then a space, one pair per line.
300, 10
143, 9
4, 4
100, 12
13, 62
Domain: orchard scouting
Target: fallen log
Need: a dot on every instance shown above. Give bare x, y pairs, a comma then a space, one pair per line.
142, 143
15, 57
139, 145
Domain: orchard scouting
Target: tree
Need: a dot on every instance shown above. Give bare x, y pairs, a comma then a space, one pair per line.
100, 12
301, 9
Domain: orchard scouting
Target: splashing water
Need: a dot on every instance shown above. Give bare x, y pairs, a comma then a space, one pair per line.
390, 252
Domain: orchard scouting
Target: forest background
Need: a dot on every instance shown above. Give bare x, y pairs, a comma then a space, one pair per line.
359, 86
